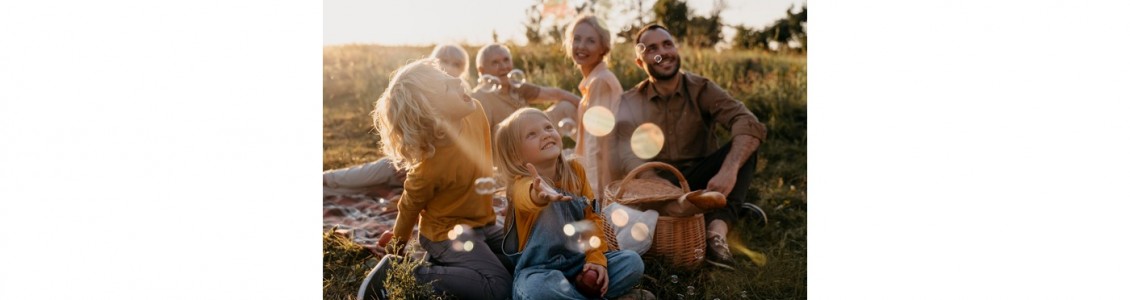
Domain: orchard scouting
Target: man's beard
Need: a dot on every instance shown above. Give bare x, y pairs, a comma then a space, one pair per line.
657, 76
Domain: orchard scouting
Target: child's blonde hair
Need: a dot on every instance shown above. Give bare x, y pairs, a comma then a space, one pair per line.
407, 123
507, 140
454, 53
602, 32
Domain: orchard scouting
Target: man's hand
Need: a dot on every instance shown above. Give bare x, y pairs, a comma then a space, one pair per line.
602, 277
743, 147
723, 182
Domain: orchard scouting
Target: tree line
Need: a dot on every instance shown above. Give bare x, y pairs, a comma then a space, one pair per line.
695, 30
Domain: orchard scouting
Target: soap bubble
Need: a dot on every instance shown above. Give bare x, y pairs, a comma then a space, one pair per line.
674, 278
468, 246
599, 121
457, 231
582, 227
516, 77
690, 290
640, 48
490, 83
485, 185
647, 141
594, 242
567, 127
698, 255
640, 232
658, 58
620, 217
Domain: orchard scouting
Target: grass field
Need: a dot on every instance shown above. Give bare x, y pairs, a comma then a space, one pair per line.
774, 87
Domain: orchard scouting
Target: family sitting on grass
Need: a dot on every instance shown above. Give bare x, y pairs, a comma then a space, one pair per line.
438, 140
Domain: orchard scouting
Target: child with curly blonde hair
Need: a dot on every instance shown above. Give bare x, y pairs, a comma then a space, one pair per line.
430, 127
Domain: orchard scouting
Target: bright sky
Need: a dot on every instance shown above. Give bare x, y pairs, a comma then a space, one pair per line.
425, 22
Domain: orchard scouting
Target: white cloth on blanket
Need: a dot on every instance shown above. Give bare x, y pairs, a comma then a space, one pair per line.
624, 233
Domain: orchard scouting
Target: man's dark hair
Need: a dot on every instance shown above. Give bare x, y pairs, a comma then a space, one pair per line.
647, 28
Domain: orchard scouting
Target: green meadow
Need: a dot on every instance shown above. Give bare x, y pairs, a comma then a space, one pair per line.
772, 85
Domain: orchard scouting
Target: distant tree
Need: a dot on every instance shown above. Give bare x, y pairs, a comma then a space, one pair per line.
557, 32
628, 31
748, 38
706, 31
791, 28
799, 23
674, 15
533, 24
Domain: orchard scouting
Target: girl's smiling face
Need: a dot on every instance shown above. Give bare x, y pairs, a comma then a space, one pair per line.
539, 141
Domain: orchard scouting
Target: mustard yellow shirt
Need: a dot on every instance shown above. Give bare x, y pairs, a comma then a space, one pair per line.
440, 192
526, 213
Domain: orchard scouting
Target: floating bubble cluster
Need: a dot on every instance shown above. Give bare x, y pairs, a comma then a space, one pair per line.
490, 83
460, 238
583, 235
517, 78
598, 121
619, 217
484, 185
490, 185
583, 227
640, 232
647, 141
567, 127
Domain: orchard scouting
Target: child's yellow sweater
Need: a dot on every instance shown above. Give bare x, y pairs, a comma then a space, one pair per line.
526, 213
440, 191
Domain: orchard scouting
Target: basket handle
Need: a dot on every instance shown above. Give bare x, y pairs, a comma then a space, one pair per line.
652, 165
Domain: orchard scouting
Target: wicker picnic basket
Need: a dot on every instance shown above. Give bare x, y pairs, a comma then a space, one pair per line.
679, 240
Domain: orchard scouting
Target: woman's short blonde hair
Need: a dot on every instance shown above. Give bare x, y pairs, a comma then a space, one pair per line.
508, 158
453, 52
601, 31
408, 125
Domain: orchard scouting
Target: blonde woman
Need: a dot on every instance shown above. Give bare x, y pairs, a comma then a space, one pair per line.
588, 43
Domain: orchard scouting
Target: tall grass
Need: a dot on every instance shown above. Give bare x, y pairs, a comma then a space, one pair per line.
773, 86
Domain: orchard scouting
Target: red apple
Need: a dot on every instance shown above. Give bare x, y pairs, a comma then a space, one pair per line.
385, 237
587, 285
